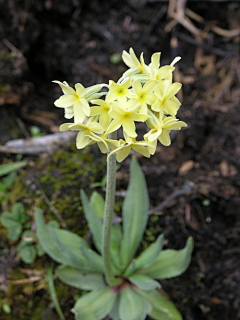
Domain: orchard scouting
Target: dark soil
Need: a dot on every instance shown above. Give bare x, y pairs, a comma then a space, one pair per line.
73, 41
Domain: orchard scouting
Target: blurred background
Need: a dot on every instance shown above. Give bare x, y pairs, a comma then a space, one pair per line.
193, 184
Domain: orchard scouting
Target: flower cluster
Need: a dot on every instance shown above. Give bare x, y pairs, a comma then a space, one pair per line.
144, 93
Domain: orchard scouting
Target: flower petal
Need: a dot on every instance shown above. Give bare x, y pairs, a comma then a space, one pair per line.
65, 101
174, 88
137, 87
85, 106
65, 88
81, 91
95, 127
82, 140
155, 60
141, 149
123, 153
164, 71
129, 127
79, 115
114, 125
164, 138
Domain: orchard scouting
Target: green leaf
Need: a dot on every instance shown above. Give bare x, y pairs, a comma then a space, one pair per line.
13, 220
67, 252
53, 294
130, 269
103, 182
9, 180
53, 224
95, 305
80, 280
70, 249
114, 312
162, 309
49, 246
6, 308
144, 282
9, 167
150, 254
8, 220
170, 263
94, 222
28, 254
68, 238
19, 212
116, 237
98, 204
40, 250
135, 212
14, 232
132, 306
94, 259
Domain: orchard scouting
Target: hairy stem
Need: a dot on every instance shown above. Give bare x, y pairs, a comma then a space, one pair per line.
108, 215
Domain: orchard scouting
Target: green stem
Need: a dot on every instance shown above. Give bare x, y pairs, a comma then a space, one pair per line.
108, 215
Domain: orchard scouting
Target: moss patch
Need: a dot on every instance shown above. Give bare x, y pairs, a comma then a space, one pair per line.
59, 177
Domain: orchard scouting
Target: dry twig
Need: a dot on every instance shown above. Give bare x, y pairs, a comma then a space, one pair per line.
187, 188
176, 10
48, 143
48, 202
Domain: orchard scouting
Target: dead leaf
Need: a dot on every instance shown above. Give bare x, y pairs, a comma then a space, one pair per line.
224, 168
186, 167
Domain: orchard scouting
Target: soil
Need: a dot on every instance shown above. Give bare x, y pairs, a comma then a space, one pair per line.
81, 41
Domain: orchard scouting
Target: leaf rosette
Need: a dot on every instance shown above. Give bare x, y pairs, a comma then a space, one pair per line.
137, 292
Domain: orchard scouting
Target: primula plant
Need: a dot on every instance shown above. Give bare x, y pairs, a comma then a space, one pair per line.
122, 284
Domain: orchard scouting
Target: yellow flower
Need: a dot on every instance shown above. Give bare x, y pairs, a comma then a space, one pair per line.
86, 133
125, 147
166, 102
132, 61
160, 129
104, 144
160, 73
143, 94
74, 102
101, 110
68, 111
119, 92
125, 117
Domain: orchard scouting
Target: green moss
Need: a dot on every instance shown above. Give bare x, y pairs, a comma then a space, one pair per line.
61, 177
32, 300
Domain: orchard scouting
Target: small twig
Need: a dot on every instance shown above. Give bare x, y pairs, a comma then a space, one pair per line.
15, 50
187, 188
194, 16
23, 281
218, 30
48, 202
31, 272
22, 128
176, 11
226, 33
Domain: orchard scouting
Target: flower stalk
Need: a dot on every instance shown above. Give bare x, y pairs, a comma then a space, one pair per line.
108, 215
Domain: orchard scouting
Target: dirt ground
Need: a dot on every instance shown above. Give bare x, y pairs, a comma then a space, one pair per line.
81, 41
